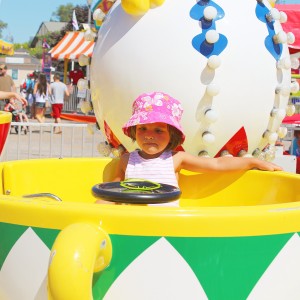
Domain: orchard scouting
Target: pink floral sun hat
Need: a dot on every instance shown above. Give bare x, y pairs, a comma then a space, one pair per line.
153, 108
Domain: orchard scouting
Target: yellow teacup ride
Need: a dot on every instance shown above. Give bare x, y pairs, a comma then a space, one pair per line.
234, 236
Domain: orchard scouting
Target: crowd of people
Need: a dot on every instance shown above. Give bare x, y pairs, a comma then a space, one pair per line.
36, 95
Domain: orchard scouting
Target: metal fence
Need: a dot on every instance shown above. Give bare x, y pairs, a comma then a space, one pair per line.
72, 103
76, 140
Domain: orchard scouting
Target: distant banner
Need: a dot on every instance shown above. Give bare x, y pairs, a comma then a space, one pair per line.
6, 48
46, 65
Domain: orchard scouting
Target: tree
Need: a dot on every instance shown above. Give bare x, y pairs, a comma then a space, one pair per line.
63, 13
81, 16
53, 38
2, 26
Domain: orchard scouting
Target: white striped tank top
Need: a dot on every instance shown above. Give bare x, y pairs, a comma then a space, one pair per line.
160, 169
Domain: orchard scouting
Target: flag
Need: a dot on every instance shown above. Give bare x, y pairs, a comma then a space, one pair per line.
74, 21
45, 44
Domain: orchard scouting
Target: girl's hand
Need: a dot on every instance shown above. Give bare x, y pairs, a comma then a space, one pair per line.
20, 98
267, 166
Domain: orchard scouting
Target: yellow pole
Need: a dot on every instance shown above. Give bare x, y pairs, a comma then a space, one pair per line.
66, 69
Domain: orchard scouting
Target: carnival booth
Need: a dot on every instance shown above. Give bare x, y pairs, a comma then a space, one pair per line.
71, 47
75, 46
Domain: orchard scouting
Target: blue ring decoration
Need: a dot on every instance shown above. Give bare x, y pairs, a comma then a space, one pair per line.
94, 6
201, 45
274, 49
199, 42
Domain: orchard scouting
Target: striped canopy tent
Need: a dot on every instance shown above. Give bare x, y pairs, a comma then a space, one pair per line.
71, 47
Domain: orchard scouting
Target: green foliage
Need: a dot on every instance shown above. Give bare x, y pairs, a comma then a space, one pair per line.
2, 26
81, 16
53, 38
21, 46
35, 52
63, 13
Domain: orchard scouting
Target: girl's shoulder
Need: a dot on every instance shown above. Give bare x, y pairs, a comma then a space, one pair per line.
125, 157
126, 154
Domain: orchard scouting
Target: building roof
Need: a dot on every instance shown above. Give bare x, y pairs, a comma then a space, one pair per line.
46, 27
23, 53
54, 26
21, 60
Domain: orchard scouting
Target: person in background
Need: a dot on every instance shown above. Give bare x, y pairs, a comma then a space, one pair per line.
58, 91
34, 80
295, 146
41, 92
27, 89
6, 83
76, 74
13, 107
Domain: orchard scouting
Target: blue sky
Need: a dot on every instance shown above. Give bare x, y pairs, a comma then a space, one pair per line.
25, 17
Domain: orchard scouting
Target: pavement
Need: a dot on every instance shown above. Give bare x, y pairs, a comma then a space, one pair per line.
41, 142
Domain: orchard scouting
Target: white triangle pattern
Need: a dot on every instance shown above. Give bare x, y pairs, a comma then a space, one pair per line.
159, 273
25, 269
281, 279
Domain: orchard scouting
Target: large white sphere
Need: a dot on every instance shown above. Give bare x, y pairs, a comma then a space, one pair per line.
165, 50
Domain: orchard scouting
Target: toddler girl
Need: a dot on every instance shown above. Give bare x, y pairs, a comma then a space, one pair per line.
155, 126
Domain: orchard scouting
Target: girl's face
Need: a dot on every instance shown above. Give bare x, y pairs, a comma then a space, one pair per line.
152, 138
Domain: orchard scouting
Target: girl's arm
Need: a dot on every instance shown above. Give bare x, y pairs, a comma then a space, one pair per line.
193, 163
121, 167
49, 89
67, 93
35, 88
22, 100
8, 95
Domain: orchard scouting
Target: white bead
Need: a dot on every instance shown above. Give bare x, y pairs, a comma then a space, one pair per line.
214, 62
208, 138
211, 36
213, 89
210, 13
211, 116
282, 131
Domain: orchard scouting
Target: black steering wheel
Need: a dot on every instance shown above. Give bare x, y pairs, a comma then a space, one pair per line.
136, 191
